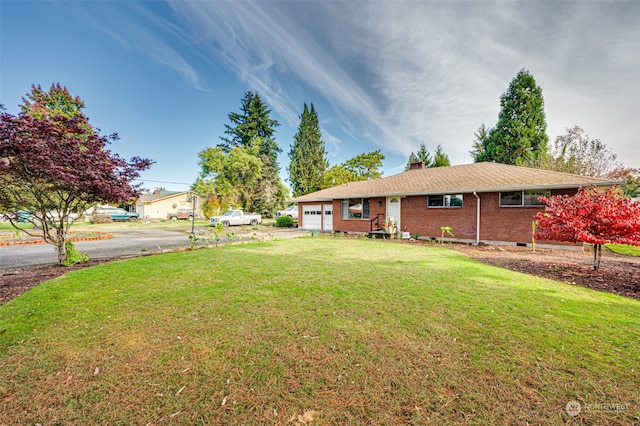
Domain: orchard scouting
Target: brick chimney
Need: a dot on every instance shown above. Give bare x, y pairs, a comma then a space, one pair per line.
416, 166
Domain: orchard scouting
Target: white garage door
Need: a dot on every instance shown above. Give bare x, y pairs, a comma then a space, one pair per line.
328, 218
311, 217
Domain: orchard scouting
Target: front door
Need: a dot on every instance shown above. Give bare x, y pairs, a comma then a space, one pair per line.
393, 210
327, 221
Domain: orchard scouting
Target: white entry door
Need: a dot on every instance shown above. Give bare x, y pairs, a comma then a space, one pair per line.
327, 224
311, 217
393, 210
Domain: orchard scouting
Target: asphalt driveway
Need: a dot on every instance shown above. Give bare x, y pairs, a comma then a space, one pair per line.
128, 242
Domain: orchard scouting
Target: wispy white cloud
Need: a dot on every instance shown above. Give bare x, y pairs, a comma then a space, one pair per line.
136, 28
398, 74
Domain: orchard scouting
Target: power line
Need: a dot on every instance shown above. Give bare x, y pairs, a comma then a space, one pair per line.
162, 181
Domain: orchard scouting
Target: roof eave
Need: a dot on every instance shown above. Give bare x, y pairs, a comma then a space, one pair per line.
461, 191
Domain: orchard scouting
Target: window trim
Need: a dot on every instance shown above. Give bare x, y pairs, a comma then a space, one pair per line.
444, 197
523, 194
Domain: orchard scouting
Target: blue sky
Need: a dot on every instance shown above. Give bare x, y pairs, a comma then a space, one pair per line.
383, 75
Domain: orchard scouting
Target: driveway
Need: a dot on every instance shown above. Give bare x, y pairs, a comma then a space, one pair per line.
128, 242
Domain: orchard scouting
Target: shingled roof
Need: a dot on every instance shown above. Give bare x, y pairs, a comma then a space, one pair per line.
465, 178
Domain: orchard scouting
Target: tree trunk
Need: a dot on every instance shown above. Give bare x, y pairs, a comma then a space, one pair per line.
597, 255
61, 246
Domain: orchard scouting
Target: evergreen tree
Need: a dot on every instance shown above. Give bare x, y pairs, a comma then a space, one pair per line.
440, 159
422, 156
251, 122
253, 130
477, 149
520, 134
308, 155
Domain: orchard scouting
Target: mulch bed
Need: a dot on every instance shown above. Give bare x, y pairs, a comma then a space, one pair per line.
617, 274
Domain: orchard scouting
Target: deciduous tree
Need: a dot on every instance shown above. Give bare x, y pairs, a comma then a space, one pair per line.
361, 167
231, 176
520, 133
590, 216
54, 163
631, 178
252, 128
308, 157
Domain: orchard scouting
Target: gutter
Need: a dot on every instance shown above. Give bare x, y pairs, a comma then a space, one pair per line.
459, 191
475, 194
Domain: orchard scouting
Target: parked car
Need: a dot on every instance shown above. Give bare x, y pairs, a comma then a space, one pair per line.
236, 217
23, 216
55, 216
115, 213
291, 211
181, 214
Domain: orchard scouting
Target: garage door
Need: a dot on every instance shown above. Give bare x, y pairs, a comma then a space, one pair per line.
311, 217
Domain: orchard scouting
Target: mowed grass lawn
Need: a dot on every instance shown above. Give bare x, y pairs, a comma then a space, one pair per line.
327, 331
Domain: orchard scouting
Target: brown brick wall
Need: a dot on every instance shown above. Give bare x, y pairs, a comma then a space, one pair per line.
512, 224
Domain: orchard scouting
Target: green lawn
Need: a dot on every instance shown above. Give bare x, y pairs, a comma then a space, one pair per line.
348, 331
624, 249
6, 226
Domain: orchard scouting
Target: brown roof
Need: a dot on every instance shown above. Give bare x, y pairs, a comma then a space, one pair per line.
465, 178
147, 198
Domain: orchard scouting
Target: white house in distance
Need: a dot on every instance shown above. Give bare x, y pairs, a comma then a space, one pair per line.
160, 204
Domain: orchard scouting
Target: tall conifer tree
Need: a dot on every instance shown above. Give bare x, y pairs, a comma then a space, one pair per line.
520, 133
253, 129
308, 157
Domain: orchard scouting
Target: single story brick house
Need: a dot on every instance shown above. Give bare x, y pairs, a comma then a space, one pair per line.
481, 202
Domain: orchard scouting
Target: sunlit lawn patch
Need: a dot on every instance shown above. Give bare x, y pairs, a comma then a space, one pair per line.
624, 249
360, 332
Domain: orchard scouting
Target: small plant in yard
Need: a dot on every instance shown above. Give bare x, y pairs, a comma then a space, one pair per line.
446, 230
272, 236
232, 237
193, 241
285, 222
73, 255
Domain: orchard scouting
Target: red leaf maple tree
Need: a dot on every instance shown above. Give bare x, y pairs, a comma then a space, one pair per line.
590, 216
58, 164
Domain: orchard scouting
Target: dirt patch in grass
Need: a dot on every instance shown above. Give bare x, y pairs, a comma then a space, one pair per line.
618, 274
14, 282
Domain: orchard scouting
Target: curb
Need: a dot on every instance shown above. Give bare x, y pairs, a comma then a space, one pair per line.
102, 236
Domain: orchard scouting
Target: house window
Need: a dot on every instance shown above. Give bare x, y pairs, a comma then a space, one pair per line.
355, 208
522, 198
444, 200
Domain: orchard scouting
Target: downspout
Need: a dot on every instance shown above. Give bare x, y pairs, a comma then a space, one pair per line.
477, 219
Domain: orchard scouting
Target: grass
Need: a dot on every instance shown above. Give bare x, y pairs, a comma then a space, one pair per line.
346, 331
624, 249
6, 226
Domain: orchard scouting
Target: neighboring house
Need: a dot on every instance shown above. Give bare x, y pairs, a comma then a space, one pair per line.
481, 202
159, 204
